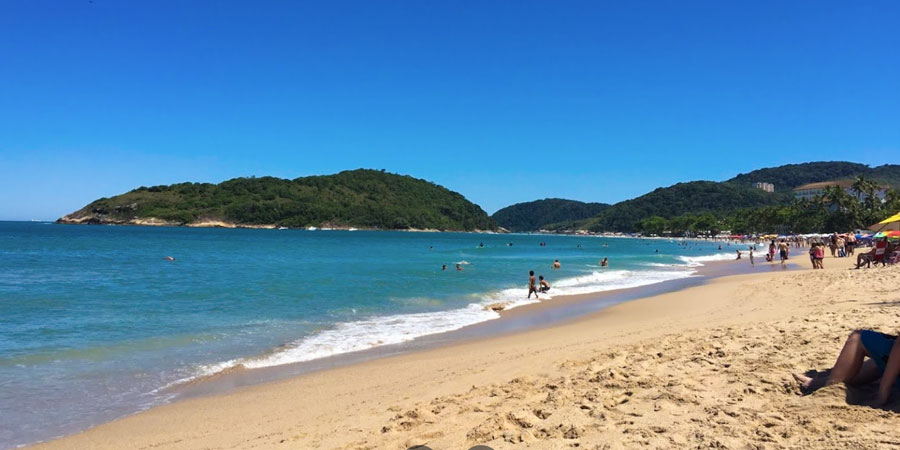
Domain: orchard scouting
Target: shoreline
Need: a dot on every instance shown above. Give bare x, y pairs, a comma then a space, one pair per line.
532, 316
154, 222
231, 383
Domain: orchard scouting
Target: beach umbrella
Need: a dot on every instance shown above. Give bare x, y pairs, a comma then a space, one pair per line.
891, 223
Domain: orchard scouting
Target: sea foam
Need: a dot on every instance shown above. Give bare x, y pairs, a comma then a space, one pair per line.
697, 261
347, 337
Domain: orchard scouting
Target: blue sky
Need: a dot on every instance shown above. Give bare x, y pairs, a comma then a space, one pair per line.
503, 101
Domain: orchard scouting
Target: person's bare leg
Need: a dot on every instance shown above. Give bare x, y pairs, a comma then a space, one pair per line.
849, 361
867, 373
846, 368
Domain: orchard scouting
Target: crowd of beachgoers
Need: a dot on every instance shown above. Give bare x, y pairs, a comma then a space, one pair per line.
881, 248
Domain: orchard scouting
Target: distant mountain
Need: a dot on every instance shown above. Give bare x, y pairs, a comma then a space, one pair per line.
695, 197
888, 174
357, 198
790, 176
719, 199
548, 213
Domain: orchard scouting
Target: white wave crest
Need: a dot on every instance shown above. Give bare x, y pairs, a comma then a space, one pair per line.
368, 333
358, 335
697, 261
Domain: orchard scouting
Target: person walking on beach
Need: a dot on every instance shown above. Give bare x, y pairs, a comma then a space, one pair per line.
532, 285
772, 251
751, 256
783, 251
820, 255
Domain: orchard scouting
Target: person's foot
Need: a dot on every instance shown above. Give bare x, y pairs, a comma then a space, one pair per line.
807, 384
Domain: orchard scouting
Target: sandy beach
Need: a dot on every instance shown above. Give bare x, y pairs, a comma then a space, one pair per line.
704, 367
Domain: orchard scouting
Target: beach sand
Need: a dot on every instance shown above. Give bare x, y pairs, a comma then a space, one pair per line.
705, 367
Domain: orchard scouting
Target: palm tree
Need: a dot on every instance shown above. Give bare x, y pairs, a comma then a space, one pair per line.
864, 185
837, 198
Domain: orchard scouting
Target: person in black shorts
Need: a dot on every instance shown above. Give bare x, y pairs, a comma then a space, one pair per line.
853, 367
544, 285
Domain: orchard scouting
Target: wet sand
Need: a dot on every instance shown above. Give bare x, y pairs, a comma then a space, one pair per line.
706, 366
551, 311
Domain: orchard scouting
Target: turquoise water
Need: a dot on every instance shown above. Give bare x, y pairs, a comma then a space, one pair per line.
95, 321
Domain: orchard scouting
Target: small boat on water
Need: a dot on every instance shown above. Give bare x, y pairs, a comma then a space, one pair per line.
311, 228
282, 228
351, 229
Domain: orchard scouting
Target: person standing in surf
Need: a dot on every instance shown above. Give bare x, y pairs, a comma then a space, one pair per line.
532, 285
783, 250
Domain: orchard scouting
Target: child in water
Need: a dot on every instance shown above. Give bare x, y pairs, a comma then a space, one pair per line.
532, 285
545, 286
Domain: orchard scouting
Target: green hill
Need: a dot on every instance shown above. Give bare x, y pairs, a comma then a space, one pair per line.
545, 214
357, 198
790, 176
888, 174
696, 197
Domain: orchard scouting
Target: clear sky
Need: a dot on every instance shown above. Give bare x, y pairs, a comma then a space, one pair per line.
503, 101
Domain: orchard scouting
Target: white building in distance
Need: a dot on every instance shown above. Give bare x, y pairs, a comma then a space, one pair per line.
811, 190
768, 187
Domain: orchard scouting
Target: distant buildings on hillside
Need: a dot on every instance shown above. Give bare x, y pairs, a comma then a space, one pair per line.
811, 190
768, 187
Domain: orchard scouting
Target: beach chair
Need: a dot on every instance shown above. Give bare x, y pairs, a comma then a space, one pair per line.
895, 258
880, 256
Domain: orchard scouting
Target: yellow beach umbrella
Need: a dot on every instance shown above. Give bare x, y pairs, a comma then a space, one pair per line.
892, 219
891, 223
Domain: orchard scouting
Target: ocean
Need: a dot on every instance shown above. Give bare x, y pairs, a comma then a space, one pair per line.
96, 322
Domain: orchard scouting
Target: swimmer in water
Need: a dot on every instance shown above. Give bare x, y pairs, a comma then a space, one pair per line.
444, 267
604, 263
459, 267
556, 264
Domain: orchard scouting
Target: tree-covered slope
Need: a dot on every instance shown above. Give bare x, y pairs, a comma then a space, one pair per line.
790, 176
533, 216
358, 198
721, 199
888, 174
696, 197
